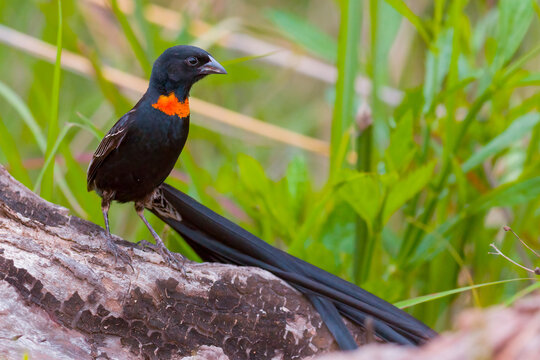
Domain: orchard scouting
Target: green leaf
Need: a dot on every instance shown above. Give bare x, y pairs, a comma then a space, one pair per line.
305, 34
364, 194
404, 10
517, 192
406, 188
530, 80
519, 128
252, 174
298, 183
514, 20
402, 148
437, 67
426, 298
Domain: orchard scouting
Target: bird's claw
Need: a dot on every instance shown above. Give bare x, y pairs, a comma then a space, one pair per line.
175, 260
118, 253
143, 244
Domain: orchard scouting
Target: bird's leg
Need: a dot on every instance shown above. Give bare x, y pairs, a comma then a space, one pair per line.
170, 257
113, 248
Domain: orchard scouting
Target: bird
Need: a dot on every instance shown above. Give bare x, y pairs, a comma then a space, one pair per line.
140, 150
135, 157
214, 238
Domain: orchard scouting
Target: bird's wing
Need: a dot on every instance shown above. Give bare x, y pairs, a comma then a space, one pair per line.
111, 141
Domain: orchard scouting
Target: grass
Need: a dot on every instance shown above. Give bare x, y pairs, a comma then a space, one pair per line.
44, 181
408, 200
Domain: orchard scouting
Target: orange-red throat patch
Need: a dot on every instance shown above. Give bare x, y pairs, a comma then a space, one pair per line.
171, 106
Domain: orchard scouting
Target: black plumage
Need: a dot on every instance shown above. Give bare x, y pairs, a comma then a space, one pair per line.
217, 239
140, 150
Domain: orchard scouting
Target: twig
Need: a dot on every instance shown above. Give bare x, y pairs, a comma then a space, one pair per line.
536, 271
508, 228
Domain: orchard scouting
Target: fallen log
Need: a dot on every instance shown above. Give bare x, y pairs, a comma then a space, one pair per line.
62, 296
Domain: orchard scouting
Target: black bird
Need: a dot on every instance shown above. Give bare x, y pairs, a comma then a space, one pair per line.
216, 239
140, 150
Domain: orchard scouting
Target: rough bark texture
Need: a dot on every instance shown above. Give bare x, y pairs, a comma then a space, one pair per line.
63, 297
498, 333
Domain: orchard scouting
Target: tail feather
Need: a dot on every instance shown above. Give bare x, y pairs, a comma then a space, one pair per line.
214, 238
333, 320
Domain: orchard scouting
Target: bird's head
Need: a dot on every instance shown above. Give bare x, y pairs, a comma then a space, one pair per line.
179, 67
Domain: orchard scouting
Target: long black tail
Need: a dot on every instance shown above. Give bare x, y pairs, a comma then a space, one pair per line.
216, 239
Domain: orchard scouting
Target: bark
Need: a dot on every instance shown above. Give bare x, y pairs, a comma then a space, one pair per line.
498, 333
63, 297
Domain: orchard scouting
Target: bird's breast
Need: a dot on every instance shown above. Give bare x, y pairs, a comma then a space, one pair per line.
171, 106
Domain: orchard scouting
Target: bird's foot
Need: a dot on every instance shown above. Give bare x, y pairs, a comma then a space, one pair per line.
143, 244
175, 260
118, 253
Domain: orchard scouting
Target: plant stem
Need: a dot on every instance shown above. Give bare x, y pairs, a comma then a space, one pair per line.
363, 246
349, 34
46, 187
411, 242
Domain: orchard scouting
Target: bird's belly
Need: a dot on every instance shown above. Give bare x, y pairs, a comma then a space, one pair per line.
142, 162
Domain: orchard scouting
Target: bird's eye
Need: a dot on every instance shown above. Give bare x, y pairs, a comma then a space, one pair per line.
192, 61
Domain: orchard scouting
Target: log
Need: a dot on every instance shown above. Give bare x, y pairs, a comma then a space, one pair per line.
497, 333
62, 296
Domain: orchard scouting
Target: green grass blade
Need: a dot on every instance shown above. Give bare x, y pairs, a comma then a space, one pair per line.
49, 158
509, 194
245, 58
404, 10
70, 197
533, 149
411, 242
87, 124
519, 128
425, 298
18, 104
516, 66
9, 148
536, 8
364, 239
120, 103
529, 289
305, 34
147, 30
136, 46
515, 17
349, 34
46, 188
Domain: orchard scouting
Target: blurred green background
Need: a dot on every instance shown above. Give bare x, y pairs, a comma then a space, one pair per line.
409, 164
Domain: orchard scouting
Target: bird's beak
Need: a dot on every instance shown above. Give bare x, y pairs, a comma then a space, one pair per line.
212, 67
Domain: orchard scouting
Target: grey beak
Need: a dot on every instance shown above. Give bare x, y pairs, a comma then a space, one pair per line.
212, 67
